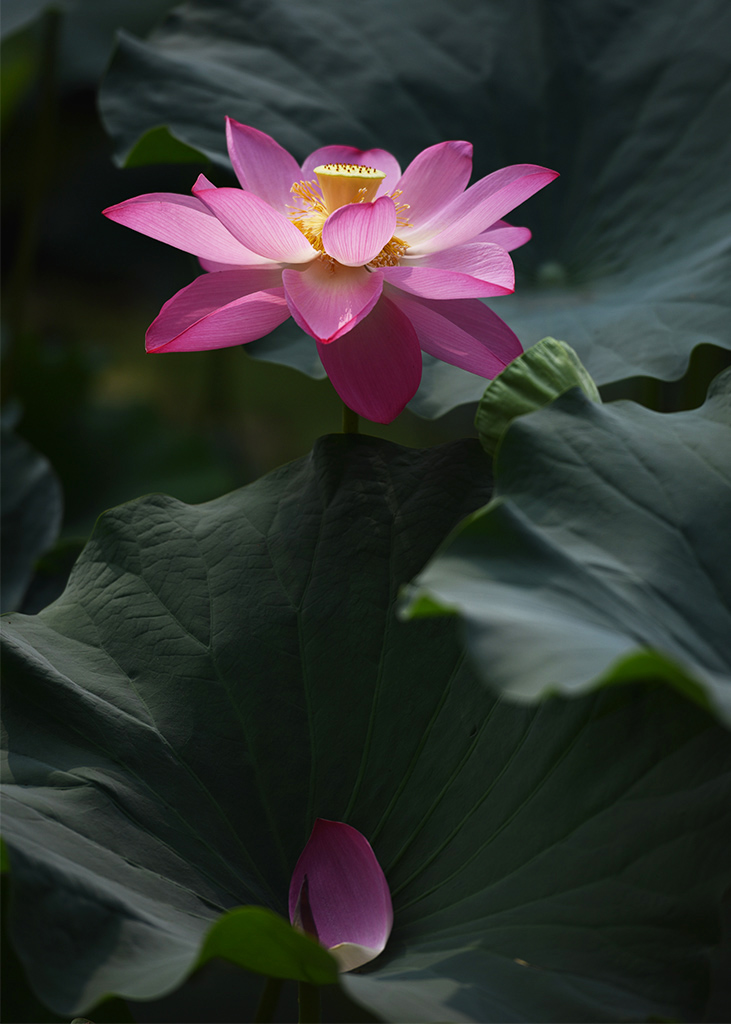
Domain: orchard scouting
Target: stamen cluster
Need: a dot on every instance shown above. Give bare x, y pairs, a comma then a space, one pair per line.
342, 180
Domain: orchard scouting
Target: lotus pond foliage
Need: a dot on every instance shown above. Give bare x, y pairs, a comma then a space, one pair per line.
410, 701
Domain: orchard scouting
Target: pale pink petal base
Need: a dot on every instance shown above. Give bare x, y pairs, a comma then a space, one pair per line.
477, 270
376, 367
350, 955
257, 225
347, 893
327, 300
232, 307
463, 332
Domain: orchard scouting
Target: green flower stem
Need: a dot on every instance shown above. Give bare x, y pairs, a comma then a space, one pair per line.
268, 1002
309, 1003
350, 420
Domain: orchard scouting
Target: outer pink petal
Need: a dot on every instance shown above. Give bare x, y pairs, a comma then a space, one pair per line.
377, 158
257, 225
186, 223
506, 235
465, 333
219, 310
478, 208
327, 301
434, 178
376, 367
355, 234
347, 891
261, 164
213, 267
477, 270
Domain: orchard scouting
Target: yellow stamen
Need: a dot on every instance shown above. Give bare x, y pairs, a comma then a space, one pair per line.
348, 183
341, 184
390, 254
313, 213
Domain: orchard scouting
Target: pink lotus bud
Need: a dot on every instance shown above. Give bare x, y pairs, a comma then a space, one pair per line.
339, 894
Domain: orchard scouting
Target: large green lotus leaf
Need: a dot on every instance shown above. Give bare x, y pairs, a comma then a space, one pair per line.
605, 554
215, 677
31, 515
630, 258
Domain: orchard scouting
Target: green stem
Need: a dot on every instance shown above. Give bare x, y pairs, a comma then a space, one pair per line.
268, 1002
309, 1003
350, 420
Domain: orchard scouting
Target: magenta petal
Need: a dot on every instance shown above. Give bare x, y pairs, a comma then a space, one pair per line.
434, 178
328, 300
261, 164
377, 158
356, 233
202, 182
186, 223
347, 896
465, 333
257, 225
476, 270
478, 208
376, 367
219, 310
506, 235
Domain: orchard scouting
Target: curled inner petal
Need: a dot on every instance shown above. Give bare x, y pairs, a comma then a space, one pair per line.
356, 233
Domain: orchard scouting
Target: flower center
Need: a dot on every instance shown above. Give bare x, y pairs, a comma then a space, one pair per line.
340, 184
347, 183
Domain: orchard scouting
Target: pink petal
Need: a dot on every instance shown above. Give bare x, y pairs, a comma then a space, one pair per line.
186, 223
355, 234
469, 271
213, 268
257, 225
465, 333
202, 182
376, 367
347, 899
328, 300
506, 235
478, 208
377, 158
434, 178
261, 164
219, 310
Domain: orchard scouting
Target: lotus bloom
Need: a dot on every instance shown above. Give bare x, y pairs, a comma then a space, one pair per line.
374, 264
339, 894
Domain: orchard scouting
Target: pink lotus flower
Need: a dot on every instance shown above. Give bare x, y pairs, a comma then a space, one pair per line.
372, 263
339, 894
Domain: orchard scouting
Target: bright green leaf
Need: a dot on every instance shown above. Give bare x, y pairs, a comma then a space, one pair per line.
261, 941
531, 381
